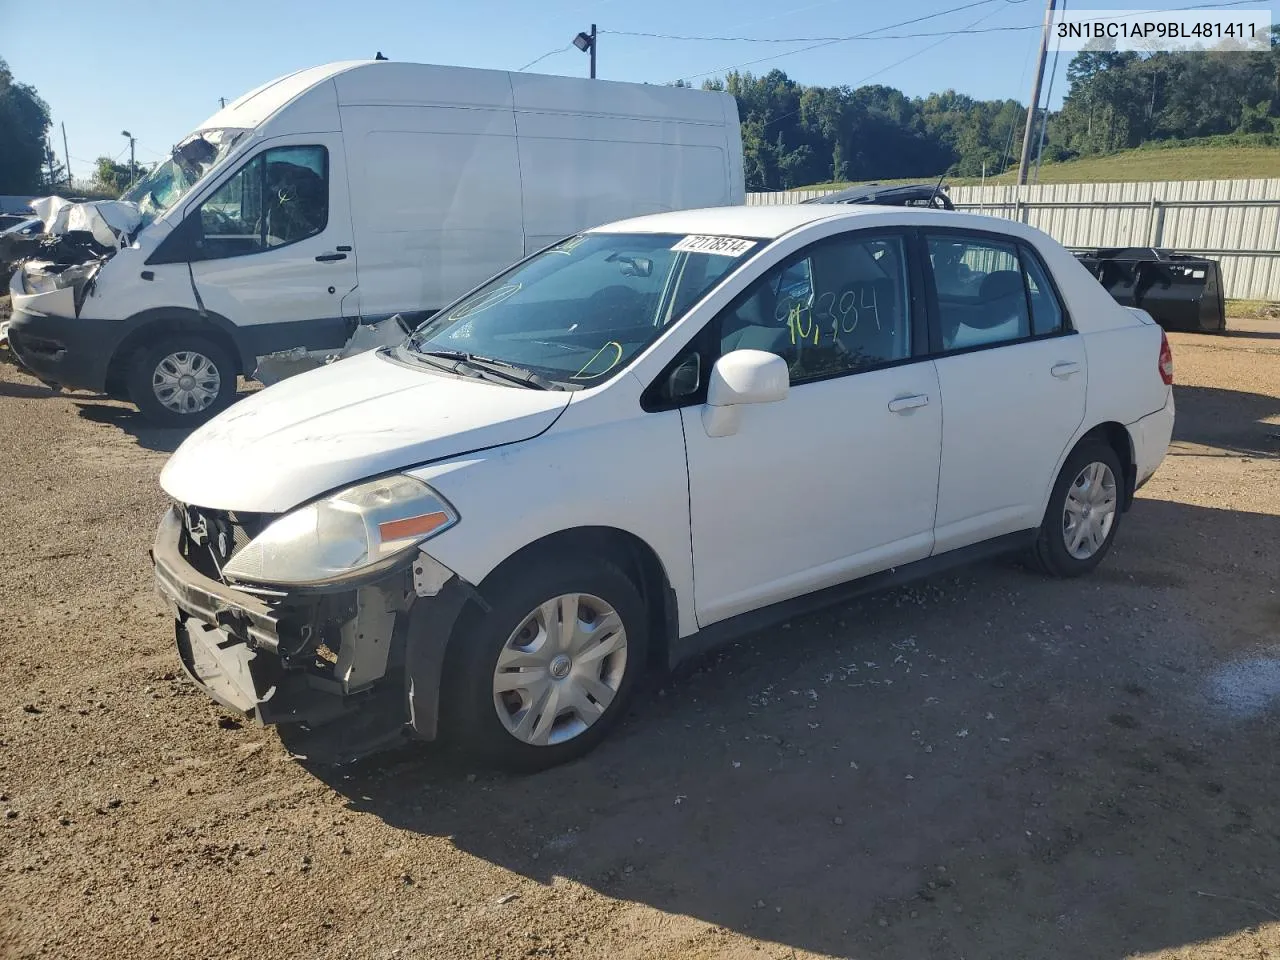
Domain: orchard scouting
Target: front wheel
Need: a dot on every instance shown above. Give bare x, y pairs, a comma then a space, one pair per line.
1083, 515
182, 380
543, 676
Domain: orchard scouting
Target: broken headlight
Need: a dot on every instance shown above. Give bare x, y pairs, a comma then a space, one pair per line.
41, 277
350, 533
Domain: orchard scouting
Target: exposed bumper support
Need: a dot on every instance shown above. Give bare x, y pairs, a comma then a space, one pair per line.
262, 658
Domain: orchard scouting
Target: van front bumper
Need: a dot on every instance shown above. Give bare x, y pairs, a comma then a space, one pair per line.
68, 351
369, 656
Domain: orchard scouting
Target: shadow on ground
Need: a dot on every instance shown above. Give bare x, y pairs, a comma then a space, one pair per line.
958, 769
1252, 334
129, 420
1230, 421
27, 391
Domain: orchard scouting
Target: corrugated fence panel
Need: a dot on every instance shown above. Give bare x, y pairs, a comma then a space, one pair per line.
1210, 217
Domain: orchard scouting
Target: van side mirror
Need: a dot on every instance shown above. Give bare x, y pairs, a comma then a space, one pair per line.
739, 378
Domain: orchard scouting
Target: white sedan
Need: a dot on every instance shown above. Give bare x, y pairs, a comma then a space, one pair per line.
638, 442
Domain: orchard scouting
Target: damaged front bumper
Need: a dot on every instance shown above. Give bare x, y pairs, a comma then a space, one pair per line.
361, 662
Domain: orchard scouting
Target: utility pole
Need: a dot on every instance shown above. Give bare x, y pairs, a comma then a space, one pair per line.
586, 42
133, 167
1035, 94
222, 102
66, 153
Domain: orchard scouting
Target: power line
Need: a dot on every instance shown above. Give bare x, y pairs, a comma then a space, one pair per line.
926, 49
892, 65
1013, 120
860, 36
829, 41
549, 53
872, 34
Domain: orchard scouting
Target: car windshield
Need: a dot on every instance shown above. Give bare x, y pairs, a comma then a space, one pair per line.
577, 314
172, 179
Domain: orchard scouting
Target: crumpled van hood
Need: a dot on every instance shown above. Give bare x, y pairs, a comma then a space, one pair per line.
343, 423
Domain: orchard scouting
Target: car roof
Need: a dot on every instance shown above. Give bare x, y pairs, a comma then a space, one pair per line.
770, 221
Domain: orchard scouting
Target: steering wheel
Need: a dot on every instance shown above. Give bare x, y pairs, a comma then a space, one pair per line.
221, 223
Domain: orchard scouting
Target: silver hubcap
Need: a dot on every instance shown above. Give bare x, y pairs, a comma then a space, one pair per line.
186, 381
1090, 511
560, 669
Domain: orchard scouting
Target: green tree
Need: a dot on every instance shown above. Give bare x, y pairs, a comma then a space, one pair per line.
24, 124
111, 176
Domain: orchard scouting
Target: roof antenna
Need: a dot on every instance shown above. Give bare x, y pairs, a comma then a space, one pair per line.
380, 56
936, 187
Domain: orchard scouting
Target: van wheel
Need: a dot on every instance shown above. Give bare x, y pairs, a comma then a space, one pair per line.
546, 673
1083, 515
182, 380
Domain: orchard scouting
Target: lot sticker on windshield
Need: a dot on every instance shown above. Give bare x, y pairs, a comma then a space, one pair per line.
722, 246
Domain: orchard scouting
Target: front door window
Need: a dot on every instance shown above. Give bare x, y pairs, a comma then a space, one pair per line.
279, 197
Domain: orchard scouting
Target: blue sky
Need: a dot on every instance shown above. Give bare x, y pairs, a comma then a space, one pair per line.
158, 69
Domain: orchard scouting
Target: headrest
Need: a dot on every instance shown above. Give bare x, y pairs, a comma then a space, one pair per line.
1001, 284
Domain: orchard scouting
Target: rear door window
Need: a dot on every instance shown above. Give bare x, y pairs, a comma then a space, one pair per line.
991, 291
1047, 315
982, 298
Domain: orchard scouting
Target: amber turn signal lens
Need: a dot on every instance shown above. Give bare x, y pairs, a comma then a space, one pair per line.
418, 526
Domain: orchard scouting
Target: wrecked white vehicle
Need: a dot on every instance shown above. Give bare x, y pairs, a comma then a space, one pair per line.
106, 297
489, 531
302, 218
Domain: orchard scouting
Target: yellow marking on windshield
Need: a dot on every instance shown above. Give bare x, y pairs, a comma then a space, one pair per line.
582, 374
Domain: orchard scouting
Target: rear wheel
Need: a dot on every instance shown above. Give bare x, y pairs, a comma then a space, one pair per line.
182, 380
1083, 515
543, 676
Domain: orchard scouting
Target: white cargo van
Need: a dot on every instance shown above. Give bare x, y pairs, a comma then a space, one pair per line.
340, 196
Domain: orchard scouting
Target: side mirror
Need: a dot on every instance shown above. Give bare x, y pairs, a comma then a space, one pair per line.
739, 378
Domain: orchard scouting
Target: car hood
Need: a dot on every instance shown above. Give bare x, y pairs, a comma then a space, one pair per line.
342, 423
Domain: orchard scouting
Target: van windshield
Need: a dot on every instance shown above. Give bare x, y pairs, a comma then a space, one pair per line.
577, 313
172, 179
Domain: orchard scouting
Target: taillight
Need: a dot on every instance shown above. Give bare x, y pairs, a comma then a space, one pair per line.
1166, 360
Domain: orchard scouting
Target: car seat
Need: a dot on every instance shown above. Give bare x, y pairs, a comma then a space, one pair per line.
752, 326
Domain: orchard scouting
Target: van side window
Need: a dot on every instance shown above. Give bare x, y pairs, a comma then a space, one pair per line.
279, 197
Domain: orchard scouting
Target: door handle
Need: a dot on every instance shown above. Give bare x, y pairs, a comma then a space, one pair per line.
903, 404
328, 257
1064, 370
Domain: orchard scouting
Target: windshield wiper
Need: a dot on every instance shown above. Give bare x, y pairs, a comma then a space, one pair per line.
490, 366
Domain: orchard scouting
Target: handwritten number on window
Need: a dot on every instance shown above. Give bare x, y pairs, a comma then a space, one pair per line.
839, 315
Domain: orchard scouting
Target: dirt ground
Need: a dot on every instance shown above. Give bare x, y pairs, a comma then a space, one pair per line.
986, 765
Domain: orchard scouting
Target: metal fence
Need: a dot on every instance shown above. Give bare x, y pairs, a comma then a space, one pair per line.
1237, 222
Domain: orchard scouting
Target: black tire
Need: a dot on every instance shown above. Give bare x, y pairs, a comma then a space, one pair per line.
1051, 554
146, 365
469, 711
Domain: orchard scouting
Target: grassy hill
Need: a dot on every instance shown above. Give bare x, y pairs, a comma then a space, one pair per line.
1195, 161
